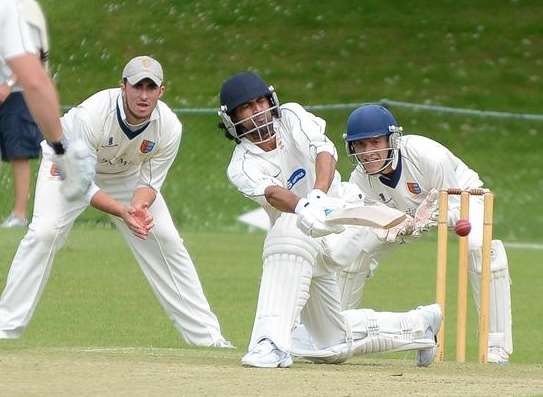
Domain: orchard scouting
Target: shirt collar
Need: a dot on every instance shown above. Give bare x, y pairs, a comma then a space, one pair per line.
391, 180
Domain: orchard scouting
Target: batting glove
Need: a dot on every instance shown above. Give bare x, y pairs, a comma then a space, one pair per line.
316, 195
311, 220
318, 198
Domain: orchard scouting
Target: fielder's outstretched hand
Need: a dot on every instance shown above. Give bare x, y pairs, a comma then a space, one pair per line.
139, 220
143, 214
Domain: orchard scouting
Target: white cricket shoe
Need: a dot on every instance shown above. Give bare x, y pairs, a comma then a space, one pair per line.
433, 316
77, 167
13, 221
266, 355
497, 355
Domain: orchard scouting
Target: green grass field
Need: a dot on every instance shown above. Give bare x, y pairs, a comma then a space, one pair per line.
106, 302
99, 311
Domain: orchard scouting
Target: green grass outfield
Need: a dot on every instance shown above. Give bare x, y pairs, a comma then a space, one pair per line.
97, 310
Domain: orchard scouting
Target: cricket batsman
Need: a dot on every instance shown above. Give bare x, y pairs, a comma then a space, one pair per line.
134, 138
403, 172
283, 161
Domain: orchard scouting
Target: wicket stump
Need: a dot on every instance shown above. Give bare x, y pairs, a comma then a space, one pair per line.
441, 274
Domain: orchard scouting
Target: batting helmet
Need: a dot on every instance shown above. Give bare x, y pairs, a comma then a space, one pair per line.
239, 89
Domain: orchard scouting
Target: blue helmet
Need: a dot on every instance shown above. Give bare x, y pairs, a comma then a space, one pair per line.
370, 121
373, 121
242, 88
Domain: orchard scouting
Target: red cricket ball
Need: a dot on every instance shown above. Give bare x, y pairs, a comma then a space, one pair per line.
462, 227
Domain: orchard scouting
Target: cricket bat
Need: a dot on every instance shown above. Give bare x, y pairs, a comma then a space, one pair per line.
379, 216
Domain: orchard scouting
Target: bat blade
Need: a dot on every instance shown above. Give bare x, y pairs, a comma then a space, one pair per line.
373, 215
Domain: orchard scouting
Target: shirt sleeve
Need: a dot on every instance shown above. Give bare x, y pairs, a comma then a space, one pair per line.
153, 171
15, 37
245, 175
309, 131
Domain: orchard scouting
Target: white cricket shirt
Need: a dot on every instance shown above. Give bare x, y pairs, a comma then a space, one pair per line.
300, 138
148, 152
32, 15
425, 164
15, 37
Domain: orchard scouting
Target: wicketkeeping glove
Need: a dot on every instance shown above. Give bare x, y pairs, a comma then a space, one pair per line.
427, 213
398, 233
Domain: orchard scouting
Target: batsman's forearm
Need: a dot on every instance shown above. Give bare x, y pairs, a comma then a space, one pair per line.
105, 203
325, 167
40, 95
282, 199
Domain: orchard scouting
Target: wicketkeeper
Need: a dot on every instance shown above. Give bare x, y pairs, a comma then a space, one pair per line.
134, 139
405, 172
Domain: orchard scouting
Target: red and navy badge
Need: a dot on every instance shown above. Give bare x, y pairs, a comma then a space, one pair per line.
146, 146
414, 187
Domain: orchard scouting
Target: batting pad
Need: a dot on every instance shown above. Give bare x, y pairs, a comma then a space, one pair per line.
375, 332
499, 319
284, 290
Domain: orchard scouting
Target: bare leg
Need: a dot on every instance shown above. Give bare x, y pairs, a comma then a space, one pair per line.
21, 182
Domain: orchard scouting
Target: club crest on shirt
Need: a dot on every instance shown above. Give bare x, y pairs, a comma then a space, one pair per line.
295, 178
146, 146
414, 187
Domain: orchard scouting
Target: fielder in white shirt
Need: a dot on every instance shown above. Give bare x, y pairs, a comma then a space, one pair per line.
134, 139
284, 161
19, 52
401, 171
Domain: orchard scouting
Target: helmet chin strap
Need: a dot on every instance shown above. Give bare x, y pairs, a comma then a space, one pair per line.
394, 161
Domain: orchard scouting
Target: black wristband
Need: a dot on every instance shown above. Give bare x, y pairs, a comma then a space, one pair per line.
58, 147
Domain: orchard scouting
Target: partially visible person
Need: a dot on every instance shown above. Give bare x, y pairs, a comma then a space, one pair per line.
403, 172
19, 52
20, 137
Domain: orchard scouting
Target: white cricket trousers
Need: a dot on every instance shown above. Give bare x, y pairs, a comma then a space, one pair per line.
163, 259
